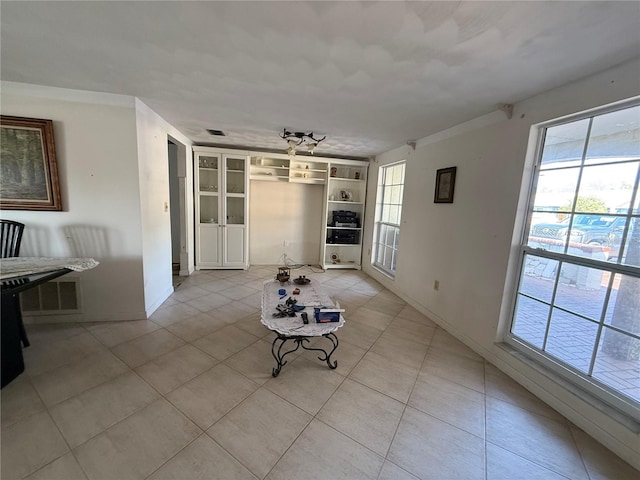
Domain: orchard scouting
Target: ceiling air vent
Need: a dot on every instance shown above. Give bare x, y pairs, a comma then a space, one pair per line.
218, 133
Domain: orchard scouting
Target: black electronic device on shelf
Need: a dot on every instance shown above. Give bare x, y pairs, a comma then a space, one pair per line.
347, 237
345, 218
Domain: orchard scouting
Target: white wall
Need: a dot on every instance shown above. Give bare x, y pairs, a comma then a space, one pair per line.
113, 164
470, 245
153, 165
96, 152
285, 211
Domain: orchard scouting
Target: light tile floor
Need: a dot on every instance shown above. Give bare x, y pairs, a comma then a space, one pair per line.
188, 394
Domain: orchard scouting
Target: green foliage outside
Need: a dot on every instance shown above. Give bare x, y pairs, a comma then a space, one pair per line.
588, 205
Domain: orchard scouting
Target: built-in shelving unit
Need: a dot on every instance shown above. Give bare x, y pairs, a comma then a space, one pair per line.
221, 195
269, 169
308, 171
281, 168
344, 212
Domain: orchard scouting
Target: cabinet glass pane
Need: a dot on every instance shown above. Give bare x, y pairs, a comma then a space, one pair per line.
208, 179
235, 210
208, 209
235, 175
208, 162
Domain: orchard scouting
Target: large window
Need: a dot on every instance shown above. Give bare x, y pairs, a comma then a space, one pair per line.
577, 306
388, 215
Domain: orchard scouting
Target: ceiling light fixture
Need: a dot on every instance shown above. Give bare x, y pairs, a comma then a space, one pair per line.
295, 139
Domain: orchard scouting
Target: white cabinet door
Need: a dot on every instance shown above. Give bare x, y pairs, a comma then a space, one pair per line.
210, 246
234, 241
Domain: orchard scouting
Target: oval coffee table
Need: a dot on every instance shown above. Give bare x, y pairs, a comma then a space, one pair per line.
292, 328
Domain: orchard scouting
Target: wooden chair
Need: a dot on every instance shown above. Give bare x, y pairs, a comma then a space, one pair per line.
10, 239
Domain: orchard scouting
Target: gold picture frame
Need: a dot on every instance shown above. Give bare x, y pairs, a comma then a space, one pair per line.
28, 166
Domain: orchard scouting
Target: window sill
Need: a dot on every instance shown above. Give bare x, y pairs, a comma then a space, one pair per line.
383, 272
624, 419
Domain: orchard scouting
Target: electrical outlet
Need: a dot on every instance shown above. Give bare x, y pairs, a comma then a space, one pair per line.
436, 285
285, 243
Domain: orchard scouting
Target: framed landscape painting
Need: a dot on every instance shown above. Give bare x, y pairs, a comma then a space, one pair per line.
28, 167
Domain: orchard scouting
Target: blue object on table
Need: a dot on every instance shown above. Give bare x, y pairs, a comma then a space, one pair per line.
282, 291
325, 317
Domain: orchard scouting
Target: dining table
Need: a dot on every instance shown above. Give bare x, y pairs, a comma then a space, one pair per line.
18, 274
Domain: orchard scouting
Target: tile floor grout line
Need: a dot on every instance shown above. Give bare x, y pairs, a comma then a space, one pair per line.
313, 417
279, 458
69, 450
229, 452
81, 391
406, 404
206, 431
32, 375
162, 464
530, 460
123, 418
577, 447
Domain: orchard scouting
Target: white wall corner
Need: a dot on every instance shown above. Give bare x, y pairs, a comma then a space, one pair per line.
67, 94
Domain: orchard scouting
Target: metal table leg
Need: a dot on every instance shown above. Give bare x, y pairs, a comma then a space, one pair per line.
300, 342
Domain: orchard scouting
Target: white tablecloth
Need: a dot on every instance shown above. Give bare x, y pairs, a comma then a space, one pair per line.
311, 295
19, 266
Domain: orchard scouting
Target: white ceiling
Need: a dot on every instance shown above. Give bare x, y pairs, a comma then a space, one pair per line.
369, 75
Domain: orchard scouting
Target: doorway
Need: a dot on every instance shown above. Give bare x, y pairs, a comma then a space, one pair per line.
179, 204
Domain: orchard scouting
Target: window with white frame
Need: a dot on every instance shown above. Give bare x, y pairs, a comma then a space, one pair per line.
388, 216
577, 305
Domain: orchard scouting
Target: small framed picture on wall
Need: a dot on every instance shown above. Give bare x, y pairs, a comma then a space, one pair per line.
445, 183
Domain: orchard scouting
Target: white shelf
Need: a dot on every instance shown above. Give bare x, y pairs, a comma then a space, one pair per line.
264, 169
309, 170
269, 178
346, 179
346, 202
330, 266
315, 181
343, 228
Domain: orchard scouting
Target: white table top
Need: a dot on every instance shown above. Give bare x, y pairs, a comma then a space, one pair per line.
19, 266
311, 295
